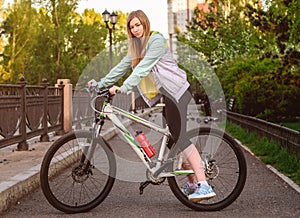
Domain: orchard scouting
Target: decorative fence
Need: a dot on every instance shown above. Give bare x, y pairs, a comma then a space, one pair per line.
288, 138
28, 111
82, 113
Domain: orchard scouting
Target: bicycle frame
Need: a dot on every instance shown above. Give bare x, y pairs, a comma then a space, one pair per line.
110, 111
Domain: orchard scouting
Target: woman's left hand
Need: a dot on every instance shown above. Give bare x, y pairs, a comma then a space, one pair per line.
114, 90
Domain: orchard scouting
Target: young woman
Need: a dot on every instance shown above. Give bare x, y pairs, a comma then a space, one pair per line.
156, 74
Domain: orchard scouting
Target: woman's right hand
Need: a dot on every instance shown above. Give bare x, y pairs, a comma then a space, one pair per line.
114, 90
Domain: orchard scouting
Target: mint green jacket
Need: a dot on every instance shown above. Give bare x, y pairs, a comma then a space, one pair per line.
160, 61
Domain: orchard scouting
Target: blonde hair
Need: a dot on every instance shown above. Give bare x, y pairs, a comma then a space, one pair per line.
137, 46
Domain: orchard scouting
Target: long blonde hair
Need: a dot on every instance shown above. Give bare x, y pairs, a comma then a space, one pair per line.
137, 46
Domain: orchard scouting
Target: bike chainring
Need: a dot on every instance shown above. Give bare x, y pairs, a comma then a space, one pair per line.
153, 180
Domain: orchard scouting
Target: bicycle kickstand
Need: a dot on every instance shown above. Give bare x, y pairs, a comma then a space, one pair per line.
143, 185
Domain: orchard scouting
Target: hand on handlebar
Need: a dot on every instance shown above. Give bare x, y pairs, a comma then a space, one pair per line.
92, 83
114, 90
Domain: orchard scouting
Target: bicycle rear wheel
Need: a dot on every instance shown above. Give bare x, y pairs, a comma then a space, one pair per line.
70, 182
226, 169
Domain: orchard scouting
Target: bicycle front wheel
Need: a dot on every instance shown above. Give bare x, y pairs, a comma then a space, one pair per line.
77, 173
225, 169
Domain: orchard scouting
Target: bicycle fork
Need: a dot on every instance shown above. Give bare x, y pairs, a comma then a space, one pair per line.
88, 151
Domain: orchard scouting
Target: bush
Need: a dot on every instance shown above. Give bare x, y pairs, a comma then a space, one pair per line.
262, 88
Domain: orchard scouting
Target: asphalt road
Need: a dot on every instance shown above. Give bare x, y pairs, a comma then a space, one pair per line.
264, 195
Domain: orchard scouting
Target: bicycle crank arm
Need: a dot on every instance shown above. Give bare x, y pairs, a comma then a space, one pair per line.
143, 185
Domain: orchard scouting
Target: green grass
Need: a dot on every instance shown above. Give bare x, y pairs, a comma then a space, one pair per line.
294, 125
268, 151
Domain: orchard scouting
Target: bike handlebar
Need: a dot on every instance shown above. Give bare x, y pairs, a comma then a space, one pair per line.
100, 92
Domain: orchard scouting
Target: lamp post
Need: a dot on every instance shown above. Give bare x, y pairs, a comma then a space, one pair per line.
112, 18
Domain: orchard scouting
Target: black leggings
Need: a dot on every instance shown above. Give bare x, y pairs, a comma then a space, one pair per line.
176, 118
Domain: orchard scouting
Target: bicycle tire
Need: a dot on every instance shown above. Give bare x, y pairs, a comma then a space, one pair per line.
230, 168
65, 185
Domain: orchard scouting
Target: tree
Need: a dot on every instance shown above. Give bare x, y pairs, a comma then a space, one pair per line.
52, 41
61, 14
222, 34
281, 19
19, 28
3, 72
255, 53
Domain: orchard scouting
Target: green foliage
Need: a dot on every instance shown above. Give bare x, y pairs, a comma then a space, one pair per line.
294, 17
53, 41
20, 26
260, 89
221, 36
255, 53
281, 20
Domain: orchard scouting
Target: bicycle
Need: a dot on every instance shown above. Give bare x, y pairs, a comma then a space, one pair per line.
79, 169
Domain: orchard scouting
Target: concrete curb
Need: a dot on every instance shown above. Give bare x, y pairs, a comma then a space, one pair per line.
280, 175
22, 184
18, 186
284, 178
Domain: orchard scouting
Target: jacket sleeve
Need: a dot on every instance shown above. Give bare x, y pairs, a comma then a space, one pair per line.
116, 73
155, 49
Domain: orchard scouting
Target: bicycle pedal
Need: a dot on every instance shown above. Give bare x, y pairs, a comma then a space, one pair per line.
143, 185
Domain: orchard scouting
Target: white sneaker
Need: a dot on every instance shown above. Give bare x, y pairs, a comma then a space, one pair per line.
202, 192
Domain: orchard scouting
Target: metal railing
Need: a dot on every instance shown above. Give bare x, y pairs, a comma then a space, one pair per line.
287, 138
82, 113
28, 111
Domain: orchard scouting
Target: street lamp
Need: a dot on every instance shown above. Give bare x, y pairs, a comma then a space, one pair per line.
113, 20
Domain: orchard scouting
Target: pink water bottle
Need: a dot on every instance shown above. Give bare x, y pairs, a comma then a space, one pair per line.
145, 144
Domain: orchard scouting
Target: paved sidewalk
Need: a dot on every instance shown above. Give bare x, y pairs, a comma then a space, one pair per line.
20, 169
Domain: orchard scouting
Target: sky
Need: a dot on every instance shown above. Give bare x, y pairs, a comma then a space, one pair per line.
156, 10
